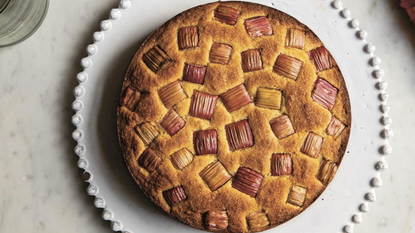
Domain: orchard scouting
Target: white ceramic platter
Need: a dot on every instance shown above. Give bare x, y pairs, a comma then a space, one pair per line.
338, 209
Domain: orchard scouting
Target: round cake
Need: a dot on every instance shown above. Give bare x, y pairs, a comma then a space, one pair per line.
233, 117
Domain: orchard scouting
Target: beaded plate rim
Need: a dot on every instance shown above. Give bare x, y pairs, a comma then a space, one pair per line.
377, 73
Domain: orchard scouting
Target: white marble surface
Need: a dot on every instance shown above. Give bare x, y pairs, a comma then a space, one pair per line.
40, 187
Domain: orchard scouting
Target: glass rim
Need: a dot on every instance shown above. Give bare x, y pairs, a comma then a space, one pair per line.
33, 30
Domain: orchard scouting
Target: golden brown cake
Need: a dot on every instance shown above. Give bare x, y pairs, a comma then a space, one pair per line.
233, 117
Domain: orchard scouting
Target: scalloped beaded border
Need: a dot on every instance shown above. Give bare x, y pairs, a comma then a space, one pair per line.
78, 105
385, 120
77, 119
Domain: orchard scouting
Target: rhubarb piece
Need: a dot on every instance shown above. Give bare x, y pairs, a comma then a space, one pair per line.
171, 94
297, 196
225, 14
202, 105
149, 160
258, 27
147, 132
251, 60
282, 127
130, 98
247, 181
174, 196
235, 98
322, 59
324, 93
335, 127
288, 66
188, 37
220, 53
257, 220
215, 175
155, 58
194, 73
295, 38
326, 172
312, 145
181, 158
239, 135
268, 98
281, 164
216, 220
205, 142
172, 122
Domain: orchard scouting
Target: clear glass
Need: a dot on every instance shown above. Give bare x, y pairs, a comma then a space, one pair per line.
19, 19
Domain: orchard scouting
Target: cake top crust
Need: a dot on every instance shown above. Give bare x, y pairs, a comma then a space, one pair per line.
233, 117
